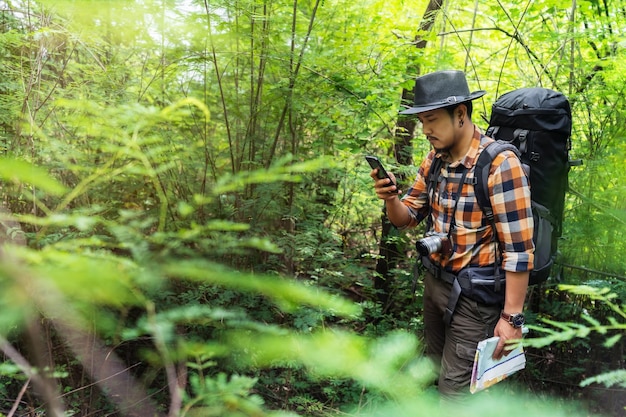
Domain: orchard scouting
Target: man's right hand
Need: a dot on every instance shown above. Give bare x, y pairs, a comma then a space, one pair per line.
385, 190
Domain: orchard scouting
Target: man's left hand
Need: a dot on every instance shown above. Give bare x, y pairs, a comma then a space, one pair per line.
506, 332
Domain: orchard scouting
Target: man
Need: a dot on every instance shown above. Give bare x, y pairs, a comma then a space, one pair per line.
443, 105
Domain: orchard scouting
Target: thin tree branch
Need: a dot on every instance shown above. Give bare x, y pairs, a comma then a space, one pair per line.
292, 79
110, 373
18, 399
55, 407
221, 88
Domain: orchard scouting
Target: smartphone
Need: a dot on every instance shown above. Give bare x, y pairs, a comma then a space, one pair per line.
382, 172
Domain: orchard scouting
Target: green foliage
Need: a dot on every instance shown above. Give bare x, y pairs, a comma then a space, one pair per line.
578, 342
286, 293
608, 379
567, 331
189, 178
225, 396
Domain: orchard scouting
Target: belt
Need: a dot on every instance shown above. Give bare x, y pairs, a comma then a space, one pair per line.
455, 293
438, 271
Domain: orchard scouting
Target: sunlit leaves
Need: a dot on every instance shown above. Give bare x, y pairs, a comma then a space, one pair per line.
95, 278
167, 136
288, 294
281, 171
24, 172
556, 331
608, 379
339, 354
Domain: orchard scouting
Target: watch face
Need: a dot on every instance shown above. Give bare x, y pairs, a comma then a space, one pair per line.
517, 320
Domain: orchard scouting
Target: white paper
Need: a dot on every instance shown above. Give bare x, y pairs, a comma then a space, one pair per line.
488, 371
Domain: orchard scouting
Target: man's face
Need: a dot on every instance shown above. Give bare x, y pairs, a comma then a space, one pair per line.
439, 129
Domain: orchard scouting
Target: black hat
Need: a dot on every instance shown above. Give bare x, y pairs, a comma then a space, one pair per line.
441, 89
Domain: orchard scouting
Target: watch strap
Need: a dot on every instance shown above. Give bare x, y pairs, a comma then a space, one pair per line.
511, 318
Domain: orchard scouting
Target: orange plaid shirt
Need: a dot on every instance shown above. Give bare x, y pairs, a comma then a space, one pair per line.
509, 193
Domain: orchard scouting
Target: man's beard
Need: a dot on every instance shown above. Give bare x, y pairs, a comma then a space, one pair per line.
444, 150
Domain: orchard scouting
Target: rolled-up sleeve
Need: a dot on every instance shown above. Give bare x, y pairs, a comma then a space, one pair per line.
510, 199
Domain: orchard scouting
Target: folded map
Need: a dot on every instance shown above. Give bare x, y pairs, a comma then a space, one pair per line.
488, 371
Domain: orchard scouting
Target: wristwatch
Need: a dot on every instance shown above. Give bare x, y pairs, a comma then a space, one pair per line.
516, 319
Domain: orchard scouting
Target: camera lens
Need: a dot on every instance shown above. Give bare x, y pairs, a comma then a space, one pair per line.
428, 245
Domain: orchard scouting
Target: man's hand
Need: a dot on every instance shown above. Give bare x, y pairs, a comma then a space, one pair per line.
516, 286
384, 188
397, 213
506, 332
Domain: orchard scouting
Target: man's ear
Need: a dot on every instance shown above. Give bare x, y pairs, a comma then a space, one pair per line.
461, 110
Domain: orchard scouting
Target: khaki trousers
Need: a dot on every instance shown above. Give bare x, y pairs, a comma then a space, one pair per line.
454, 346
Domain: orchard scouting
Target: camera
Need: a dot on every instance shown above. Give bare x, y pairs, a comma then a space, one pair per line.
434, 242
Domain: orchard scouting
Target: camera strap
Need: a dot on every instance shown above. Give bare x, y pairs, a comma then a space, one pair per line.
435, 179
457, 197
455, 291
437, 270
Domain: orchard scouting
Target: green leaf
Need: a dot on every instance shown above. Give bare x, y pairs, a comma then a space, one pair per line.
96, 278
261, 244
22, 171
288, 294
591, 320
611, 341
608, 379
384, 364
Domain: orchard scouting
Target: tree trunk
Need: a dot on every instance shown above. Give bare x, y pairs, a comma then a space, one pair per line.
389, 250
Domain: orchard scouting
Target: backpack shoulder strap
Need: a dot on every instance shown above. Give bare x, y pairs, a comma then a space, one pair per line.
431, 184
481, 173
433, 174
481, 189
433, 177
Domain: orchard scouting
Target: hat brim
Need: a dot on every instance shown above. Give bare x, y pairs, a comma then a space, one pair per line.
450, 101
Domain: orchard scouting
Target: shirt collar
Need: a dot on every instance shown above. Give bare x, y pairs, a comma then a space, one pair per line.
472, 152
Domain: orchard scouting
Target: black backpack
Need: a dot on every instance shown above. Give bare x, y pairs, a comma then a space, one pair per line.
536, 123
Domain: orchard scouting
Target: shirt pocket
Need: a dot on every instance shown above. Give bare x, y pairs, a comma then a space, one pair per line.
468, 213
